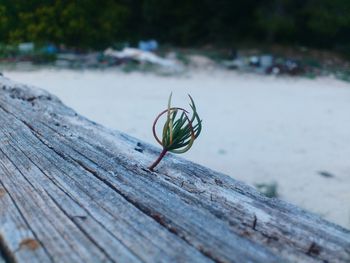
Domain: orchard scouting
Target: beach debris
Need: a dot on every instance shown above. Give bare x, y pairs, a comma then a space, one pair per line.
266, 61
286, 67
268, 189
66, 59
265, 64
179, 131
326, 174
254, 61
74, 60
148, 45
140, 56
26, 47
200, 61
49, 49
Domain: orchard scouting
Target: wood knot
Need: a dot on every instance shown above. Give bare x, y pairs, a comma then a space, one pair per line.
314, 249
139, 147
2, 192
29, 243
218, 182
159, 218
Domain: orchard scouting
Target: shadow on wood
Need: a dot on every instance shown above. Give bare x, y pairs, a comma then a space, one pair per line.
74, 191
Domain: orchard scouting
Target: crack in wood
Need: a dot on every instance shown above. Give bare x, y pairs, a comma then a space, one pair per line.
5, 252
22, 215
157, 217
255, 221
83, 230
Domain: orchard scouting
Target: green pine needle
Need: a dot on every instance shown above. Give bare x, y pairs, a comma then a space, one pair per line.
179, 131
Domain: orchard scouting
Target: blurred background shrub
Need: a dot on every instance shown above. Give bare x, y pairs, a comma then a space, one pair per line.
98, 24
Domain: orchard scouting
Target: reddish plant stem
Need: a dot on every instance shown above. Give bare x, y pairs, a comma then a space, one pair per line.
162, 154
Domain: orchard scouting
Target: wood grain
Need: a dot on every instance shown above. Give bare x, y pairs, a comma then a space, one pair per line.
74, 191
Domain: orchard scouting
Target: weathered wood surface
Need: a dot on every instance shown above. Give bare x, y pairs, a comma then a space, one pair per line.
74, 191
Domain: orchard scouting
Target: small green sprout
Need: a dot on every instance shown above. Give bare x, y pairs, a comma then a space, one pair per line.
178, 133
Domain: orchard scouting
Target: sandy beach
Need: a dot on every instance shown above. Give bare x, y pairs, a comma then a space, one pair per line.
257, 129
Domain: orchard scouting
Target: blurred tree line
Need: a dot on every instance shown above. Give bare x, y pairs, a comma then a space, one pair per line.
100, 23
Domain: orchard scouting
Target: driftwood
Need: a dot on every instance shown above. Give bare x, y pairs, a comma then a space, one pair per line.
74, 191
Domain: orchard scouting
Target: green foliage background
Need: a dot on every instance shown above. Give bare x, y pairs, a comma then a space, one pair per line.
100, 23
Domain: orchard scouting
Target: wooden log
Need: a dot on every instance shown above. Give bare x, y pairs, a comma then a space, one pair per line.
74, 191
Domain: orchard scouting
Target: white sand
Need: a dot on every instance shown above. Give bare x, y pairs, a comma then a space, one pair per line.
257, 129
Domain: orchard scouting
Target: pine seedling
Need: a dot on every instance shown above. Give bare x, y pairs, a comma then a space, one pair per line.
179, 130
